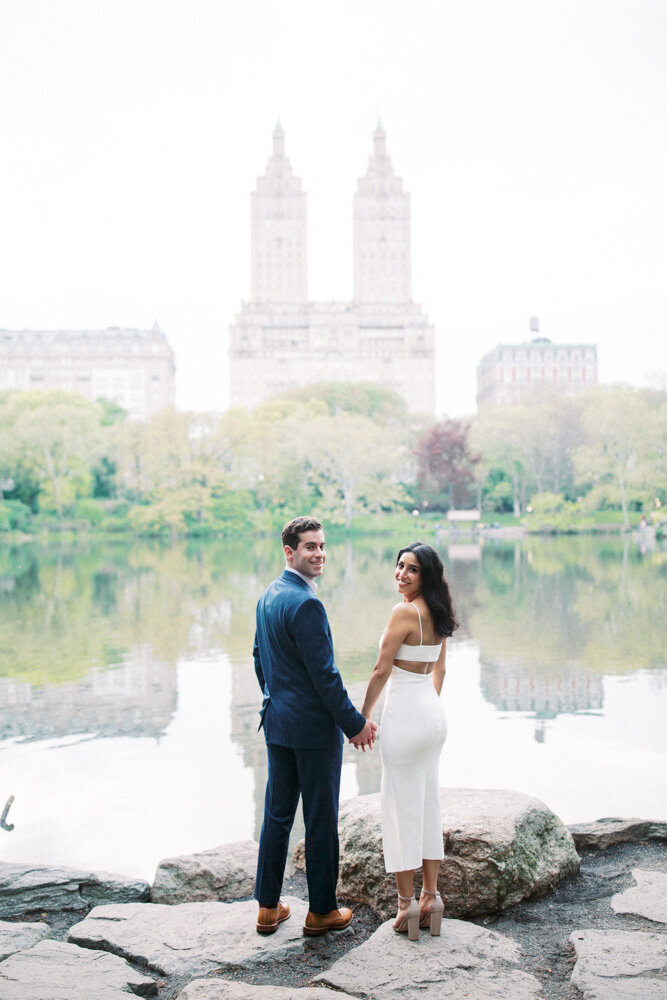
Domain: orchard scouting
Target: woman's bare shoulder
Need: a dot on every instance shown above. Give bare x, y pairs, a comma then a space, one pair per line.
402, 612
399, 623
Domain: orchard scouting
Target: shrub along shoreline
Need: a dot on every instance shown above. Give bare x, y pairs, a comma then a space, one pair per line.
43, 528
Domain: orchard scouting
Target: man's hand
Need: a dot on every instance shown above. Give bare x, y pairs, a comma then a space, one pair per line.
365, 738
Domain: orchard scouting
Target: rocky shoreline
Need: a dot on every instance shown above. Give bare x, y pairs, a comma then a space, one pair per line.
596, 929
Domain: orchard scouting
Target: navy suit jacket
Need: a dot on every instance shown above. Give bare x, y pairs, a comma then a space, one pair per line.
305, 702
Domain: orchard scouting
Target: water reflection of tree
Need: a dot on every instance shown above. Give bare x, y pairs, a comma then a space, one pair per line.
68, 610
552, 617
545, 612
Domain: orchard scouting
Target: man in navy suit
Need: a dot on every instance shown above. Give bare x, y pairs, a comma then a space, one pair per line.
305, 712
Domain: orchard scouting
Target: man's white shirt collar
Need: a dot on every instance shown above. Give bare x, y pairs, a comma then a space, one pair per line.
311, 583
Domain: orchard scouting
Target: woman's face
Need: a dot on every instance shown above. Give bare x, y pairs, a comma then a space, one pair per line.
408, 576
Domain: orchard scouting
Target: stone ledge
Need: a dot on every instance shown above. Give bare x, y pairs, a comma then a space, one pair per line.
30, 888
603, 833
620, 965
20, 937
225, 873
465, 961
53, 970
648, 898
191, 939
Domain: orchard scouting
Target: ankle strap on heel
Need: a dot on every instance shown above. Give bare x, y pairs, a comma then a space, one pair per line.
406, 899
427, 892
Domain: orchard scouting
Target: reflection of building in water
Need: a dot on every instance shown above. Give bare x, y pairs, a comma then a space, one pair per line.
138, 698
520, 687
246, 701
464, 553
368, 765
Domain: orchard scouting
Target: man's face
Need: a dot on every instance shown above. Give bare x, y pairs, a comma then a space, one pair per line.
309, 556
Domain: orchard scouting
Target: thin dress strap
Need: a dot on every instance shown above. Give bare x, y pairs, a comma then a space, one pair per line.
421, 635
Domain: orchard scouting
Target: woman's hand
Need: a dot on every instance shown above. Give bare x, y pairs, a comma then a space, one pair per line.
366, 738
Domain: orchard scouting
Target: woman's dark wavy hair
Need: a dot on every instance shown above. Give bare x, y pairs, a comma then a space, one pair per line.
435, 589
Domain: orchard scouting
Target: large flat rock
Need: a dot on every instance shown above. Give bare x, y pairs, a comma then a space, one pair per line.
224, 873
603, 833
648, 898
620, 965
190, 938
466, 962
500, 847
53, 970
223, 989
20, 937
27, 888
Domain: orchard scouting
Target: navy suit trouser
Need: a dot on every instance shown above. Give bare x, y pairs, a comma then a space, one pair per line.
315, 775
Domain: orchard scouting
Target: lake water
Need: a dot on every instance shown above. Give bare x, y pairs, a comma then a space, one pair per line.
128, 701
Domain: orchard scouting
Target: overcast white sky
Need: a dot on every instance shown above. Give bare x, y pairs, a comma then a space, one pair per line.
532, 135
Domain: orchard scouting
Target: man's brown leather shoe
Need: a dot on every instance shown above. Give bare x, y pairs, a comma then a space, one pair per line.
320, 923
268, 918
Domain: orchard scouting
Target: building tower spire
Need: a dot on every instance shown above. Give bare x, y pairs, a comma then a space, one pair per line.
279, 242
379, 142
381, 230
278, 140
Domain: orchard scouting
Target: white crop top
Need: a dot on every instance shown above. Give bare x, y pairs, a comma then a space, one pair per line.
420, 653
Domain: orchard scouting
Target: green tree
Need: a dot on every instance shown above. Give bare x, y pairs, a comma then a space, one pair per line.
551, 431
354, 464
530, 446
18, 477
53, 436
189, 472
499, 434
625, 449
364, 399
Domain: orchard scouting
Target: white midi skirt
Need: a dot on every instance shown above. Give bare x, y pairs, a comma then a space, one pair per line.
412, 734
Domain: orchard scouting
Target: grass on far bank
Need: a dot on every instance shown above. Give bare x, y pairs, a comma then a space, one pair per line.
405, 523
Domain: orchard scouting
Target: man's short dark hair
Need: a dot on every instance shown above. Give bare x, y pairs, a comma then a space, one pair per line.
297, 527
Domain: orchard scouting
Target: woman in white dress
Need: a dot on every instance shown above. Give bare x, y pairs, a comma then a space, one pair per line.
413, 731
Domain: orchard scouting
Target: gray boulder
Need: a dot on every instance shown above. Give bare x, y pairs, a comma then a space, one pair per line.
648, 898
620, 965
466, 962
27, 888
224, 873
53, 970
20, 937
190, 939
224, 989
500, 847
602, 833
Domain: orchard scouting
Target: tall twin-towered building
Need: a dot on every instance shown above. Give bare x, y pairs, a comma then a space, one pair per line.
281, 339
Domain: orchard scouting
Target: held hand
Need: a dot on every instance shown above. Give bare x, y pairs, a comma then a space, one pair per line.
365, 738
